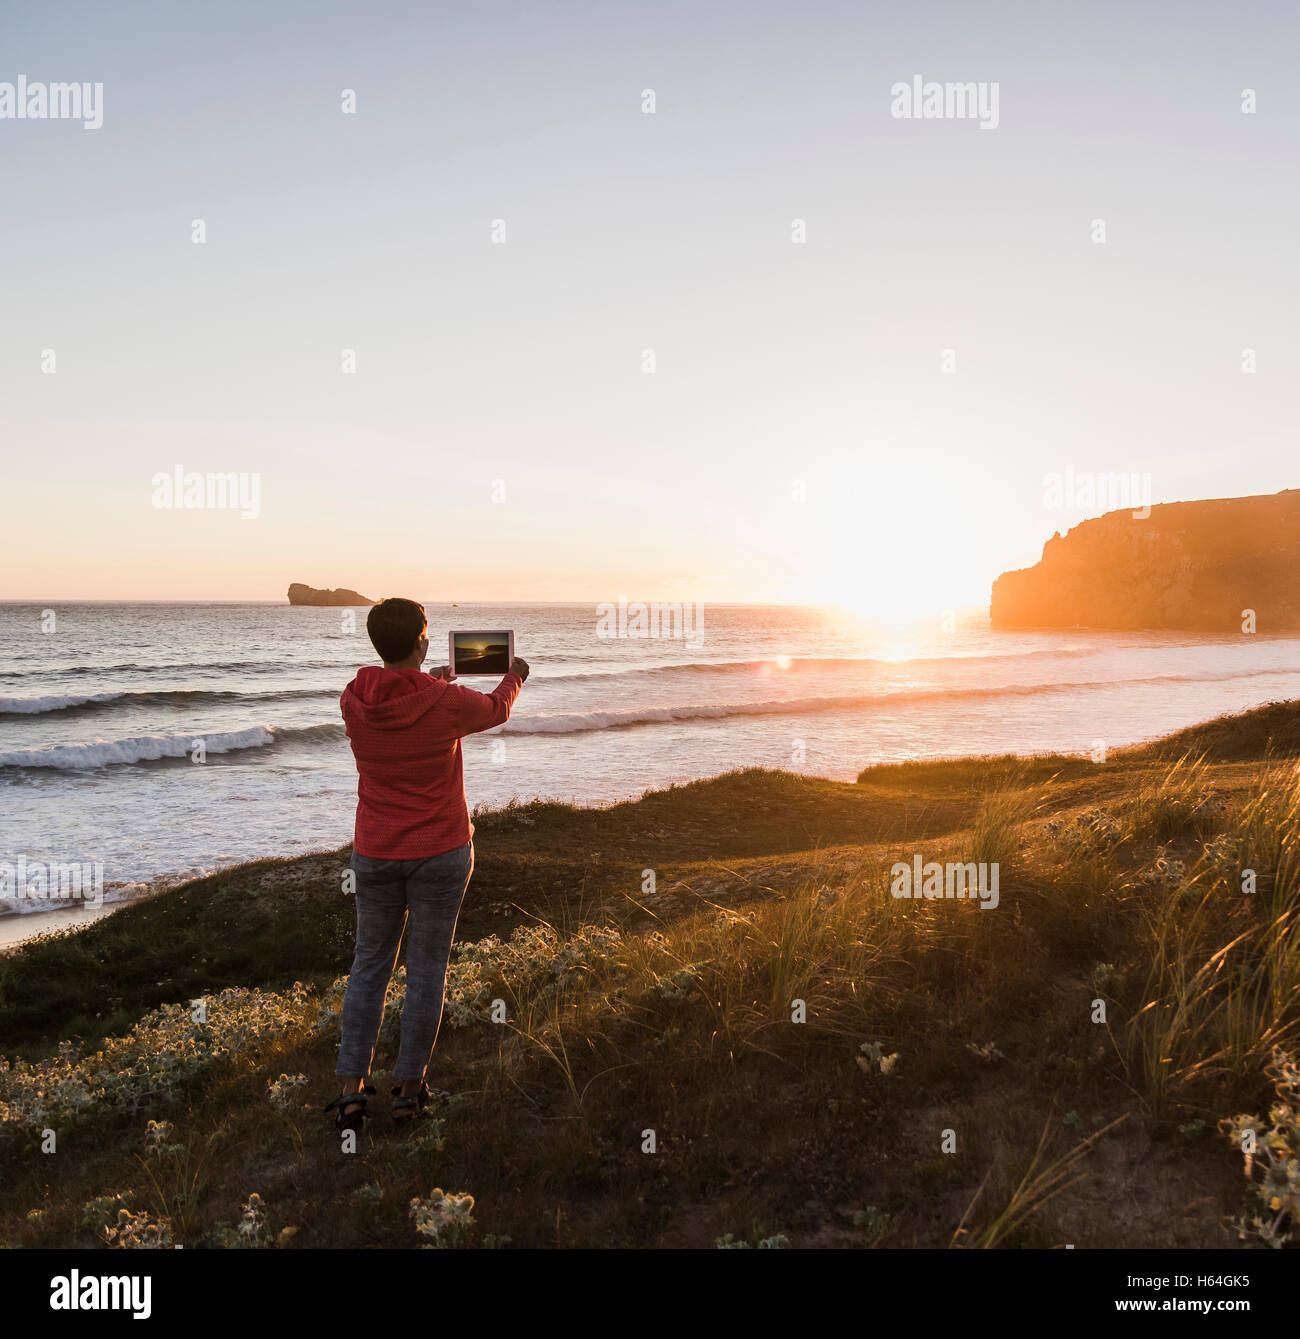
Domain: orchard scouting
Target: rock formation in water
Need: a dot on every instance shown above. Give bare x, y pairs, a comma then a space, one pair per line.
300, 594
1202, 566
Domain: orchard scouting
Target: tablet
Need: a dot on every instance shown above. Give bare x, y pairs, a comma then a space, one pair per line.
480, 652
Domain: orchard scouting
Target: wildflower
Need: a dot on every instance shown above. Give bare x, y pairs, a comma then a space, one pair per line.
139, 1231
675, 985
443, 1219
253, 1221
99, 1213
1164, 869
873, 1054
285, 1092
152, 1062
1271, 1153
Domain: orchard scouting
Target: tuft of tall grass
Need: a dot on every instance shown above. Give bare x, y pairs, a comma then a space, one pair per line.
1035, 1188
830, 945
1180, 803
1222, 988
995, 834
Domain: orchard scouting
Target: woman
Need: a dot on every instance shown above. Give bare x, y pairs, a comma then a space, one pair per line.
413, 849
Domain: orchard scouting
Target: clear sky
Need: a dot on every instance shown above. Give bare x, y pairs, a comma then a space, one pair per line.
783, 370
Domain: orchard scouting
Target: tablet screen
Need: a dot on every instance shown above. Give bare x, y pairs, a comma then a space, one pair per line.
481, 652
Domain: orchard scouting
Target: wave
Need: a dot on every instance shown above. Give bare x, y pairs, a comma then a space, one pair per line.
808, 663
154, 748
34, 706
77, 703
564, 723
114, 891
145, 748
229, 666
111, 893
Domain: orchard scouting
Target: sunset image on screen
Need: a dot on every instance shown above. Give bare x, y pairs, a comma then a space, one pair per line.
482, 653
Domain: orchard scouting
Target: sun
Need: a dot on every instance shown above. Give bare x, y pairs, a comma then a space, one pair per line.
883, 581
895, 540
896, 516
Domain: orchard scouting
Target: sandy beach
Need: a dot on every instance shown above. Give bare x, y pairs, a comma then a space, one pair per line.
17, 929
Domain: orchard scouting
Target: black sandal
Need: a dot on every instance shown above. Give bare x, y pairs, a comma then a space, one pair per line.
426, 1097
351, 1120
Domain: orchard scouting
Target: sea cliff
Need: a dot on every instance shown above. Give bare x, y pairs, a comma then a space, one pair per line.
1225, 565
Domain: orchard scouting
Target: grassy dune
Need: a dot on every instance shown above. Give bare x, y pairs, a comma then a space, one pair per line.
953, 1083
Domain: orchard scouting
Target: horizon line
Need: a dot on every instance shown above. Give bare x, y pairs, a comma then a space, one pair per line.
284, 604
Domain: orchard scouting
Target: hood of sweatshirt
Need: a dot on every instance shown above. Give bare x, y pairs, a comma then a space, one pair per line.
385, 699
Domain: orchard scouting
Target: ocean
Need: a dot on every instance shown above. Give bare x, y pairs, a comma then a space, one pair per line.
101, 705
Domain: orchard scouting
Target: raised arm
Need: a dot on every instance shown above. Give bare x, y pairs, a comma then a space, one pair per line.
477, 711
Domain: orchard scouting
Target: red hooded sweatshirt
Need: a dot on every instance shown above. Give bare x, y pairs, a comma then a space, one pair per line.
405, 727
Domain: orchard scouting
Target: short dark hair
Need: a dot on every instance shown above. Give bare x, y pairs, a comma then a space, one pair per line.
395, 626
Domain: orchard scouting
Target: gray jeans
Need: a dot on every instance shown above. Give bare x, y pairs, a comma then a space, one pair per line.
429, 892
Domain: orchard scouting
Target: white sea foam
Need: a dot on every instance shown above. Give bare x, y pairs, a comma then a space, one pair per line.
174, 697
144, 748
34, 706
